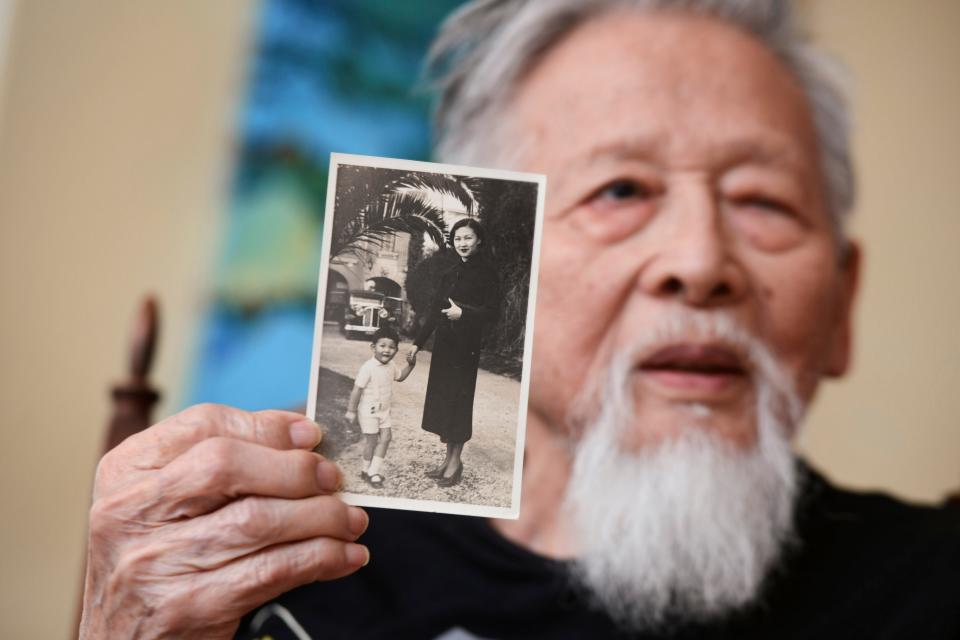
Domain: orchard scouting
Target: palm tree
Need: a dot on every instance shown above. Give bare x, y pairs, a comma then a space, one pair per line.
460, 188
403, 205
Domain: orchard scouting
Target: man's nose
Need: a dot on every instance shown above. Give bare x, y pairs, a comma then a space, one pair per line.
694, 261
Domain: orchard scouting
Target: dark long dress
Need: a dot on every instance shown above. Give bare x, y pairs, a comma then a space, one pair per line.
452, 382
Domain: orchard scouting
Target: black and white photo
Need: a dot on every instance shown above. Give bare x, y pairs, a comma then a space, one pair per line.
422, 344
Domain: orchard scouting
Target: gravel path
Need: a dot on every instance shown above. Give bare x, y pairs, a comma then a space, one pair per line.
487, 458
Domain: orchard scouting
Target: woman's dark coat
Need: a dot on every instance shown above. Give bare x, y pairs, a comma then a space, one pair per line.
475, 287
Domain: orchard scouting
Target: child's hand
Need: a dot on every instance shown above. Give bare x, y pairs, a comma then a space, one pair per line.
350, 415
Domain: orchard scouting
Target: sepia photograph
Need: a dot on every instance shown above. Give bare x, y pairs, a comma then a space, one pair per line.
422, 343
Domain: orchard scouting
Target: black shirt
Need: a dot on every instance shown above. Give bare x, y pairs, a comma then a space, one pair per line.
864, 566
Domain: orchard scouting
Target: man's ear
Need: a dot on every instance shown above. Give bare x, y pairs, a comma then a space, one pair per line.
841, 342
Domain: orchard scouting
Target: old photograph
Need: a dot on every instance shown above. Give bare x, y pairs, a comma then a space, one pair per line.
423, 334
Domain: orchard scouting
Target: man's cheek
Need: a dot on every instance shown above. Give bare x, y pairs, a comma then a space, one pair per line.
560, 290
565, 336
582, 283
802, 317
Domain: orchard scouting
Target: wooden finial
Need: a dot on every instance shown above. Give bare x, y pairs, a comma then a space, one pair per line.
134, 398
145, 335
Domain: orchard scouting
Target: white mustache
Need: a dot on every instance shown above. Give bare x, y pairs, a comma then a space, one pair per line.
682, 325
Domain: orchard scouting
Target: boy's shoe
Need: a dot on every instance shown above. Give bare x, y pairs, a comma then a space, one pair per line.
376, 479
365, 476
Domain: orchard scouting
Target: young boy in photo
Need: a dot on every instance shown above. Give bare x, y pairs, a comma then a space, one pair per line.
370, 400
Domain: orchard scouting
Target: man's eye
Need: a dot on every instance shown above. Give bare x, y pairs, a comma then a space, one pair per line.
764, 202
619, 207
624, 190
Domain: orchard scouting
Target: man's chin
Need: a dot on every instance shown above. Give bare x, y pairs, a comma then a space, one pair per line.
730, 424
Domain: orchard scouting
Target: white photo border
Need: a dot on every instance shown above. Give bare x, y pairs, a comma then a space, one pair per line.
457, 508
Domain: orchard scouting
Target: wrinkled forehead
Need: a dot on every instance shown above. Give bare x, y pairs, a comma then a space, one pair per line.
678, 88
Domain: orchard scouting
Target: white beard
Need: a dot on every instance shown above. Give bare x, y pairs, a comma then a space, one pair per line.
688, 529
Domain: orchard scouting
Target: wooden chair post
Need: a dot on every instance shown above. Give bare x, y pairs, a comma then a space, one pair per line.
134, 399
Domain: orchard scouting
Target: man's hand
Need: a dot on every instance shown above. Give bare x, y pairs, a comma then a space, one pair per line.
350, 416
208, 514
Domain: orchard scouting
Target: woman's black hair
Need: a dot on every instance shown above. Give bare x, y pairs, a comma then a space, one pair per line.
473, 223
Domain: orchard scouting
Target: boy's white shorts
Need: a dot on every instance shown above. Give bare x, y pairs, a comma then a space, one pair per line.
371, 423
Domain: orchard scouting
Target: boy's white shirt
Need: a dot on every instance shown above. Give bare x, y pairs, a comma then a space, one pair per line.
376, 380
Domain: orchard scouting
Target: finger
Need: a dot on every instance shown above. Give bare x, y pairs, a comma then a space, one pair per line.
215, 472
218, 470
250, 581
156, 446
249, 525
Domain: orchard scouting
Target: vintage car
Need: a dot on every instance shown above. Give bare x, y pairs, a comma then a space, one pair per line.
364, 313
367, 311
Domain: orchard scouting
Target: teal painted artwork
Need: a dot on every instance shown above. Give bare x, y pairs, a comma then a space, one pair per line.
336, 76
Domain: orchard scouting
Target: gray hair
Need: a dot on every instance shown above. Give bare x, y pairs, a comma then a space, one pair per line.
484, 49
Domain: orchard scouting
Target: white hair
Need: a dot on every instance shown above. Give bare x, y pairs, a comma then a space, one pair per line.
484, 49
689, 528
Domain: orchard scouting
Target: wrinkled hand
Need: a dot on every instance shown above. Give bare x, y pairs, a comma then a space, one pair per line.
208, 514
453, 312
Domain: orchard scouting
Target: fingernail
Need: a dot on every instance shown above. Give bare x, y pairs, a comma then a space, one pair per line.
357, 554
358, 520
305, 434
328, 476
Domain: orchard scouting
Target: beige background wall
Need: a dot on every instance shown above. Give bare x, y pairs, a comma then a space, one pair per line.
894, 422
114, 146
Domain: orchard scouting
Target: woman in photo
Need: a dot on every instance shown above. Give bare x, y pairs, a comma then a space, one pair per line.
467, 300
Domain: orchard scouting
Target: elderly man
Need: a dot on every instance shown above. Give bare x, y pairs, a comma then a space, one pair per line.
696, 287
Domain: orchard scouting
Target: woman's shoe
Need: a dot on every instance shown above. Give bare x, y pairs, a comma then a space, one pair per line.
435, 474
446, 481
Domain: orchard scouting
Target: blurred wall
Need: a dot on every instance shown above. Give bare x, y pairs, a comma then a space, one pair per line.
114, 148
893, 423
114, 152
